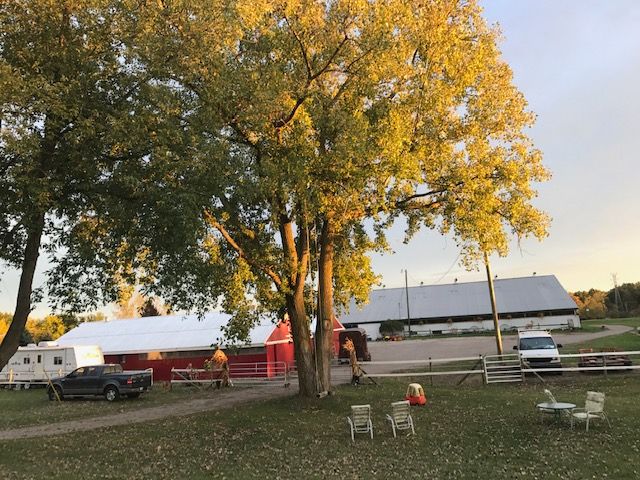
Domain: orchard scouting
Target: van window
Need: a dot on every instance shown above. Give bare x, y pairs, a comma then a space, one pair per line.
39, 358
537, 343
26, 360
57, 360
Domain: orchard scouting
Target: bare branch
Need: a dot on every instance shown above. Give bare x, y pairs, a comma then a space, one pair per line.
331, 58
282, 122
302, 49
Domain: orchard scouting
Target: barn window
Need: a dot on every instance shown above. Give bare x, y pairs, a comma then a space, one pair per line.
26, 360
57, 360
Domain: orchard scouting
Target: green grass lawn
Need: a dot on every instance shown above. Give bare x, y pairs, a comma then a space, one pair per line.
32, 407
625, 341
629, 322
466, 432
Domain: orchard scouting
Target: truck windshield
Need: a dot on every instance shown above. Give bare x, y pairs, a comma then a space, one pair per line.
537, 343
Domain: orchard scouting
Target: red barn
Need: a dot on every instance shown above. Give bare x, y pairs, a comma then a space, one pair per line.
184, 341
180, 341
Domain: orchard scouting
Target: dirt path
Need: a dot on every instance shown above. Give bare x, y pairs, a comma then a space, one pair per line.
225, 399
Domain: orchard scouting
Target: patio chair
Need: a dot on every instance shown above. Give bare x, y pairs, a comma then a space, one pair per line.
551, 399
400, 417
593, 408
360, 420
550, 396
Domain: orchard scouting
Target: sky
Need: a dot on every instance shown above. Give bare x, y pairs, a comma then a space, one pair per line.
578, 64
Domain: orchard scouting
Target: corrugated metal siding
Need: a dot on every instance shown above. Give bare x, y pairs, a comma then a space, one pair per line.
159, 334
526, 294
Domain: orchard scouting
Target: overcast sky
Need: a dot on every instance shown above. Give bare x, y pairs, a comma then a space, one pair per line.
578, 64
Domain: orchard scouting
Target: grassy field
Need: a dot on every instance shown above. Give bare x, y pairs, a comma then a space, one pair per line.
32, 407
629, 322
470, 431
466, 432
625, 341
629, 341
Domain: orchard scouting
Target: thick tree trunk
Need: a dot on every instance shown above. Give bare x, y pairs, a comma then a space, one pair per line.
324, 326
11, 340
297, 257
301, 332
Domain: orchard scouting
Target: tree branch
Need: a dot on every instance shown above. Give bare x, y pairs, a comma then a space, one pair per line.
302, 49
211, 220
331, 58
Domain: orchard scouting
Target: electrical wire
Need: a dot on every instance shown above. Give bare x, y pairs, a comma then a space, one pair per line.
447, 272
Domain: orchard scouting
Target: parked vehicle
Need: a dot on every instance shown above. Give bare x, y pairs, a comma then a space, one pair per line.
359, 338
538, 349
37, 363
108, 380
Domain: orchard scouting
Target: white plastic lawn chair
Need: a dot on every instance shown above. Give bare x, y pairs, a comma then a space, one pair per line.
400, 417
550, 396
551, 399
593, 408
360, 420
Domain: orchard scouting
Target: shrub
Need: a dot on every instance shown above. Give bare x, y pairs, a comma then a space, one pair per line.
391, 327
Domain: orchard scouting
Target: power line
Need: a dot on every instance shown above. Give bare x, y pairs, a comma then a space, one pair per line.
447, 272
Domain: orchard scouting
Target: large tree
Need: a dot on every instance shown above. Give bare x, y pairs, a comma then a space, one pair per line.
332, 115
79, 116
296, 129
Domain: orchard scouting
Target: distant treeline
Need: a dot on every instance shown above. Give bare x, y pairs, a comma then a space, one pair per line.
53, 326
621, 301
48, 328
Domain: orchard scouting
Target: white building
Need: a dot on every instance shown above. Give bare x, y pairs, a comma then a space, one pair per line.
534, 302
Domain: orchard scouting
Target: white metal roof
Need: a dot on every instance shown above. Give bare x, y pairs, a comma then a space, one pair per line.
160, 334
513, 295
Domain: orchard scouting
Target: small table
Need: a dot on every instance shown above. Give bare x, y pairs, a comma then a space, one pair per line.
557, 408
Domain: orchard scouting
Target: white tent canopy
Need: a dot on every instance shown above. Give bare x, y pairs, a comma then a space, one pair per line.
161, 334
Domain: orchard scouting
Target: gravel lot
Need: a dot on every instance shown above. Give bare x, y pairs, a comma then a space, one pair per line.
453, 347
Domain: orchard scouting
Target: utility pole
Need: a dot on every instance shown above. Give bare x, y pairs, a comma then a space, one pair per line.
494, 309
616, 296
406, 291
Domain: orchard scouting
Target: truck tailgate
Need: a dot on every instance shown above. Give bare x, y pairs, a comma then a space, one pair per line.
138, 379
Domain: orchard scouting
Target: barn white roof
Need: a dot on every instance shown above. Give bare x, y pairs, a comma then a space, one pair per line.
513, 295
160, 334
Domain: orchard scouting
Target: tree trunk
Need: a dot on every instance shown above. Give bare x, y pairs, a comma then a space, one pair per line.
301, 332
324, 326
11, 340
297, 257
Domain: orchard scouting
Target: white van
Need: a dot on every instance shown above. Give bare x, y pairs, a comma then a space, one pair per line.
538, 349
34, 363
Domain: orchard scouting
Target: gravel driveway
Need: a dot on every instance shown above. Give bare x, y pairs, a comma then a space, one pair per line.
454, 347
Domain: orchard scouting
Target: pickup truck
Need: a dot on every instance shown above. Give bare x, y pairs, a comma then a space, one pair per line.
108, 380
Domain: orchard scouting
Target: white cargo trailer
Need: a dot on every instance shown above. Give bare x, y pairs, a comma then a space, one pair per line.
34, 364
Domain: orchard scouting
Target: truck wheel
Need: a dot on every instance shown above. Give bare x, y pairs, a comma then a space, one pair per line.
52, 395
111, 393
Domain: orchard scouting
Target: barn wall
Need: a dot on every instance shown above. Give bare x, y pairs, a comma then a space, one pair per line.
280, 352
162, 367
506, 324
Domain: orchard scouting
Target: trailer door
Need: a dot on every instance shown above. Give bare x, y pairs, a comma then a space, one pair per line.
38, 368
